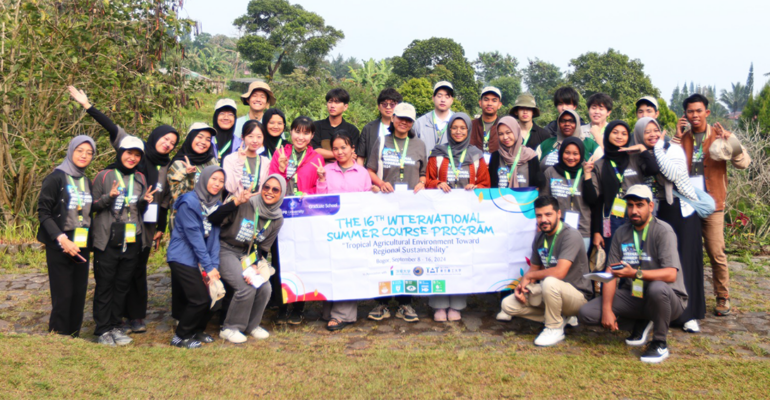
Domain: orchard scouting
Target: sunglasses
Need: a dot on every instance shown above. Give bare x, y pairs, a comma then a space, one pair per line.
386, 104
274, 189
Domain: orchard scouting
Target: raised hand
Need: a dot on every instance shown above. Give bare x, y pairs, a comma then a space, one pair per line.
114, 192
79, 96
721, 132
242, 152
588, 167
149, 195
283, 161
187, 166
680, 126
321, 171
243, 196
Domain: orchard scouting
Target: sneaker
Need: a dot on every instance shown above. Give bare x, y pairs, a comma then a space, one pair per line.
295, 318
260, 333
639, 335
176, 340
503, 316
379, 313
691, 326
137, 326
190, 343
549, 337
126, 328
282, 317
439, 315
121, 339
232, 336
407, 313
106, 339
569, 322
723, 307
203, 337
656, 352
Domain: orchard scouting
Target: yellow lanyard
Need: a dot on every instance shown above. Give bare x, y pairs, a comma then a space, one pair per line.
553, 244
254, 178
78, 195
129, 193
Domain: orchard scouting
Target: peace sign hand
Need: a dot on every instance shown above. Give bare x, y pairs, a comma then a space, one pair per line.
114, 192
588, 166
187, 166
242, 152
149, 196
283, 161
321, 171
243, 196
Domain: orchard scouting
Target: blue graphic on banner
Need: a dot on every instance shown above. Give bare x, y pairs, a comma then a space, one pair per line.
425, 286
397, 287
295, 207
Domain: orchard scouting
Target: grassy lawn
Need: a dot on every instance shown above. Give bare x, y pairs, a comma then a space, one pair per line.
292, 365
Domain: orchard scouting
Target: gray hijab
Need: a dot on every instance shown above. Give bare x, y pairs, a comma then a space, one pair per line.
640, 126
68, 166
473, 153
207, 199
271, 212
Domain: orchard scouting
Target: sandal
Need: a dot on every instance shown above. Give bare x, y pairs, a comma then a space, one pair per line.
338, 325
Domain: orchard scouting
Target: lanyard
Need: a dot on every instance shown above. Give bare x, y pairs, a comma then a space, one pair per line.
553, 244
573, 189
297, 163
644, 239
278, 146
617, 173
248, 171
224, 149
515, 163
129, 193
79, 195
440, 132
401, 156
452, 161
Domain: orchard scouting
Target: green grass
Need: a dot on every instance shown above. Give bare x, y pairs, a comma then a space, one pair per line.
292, 365
24, 262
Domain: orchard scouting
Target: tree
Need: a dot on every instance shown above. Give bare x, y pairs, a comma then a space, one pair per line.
490, 66
667, 118
757, 111
542, 79
339, 67
439, 59
418, 92
372, 75
510, 87
612, 73
735, 99
750, 81
676, 101
280, 35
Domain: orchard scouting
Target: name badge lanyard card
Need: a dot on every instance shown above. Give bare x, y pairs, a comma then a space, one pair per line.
618, 207
514, 165
439, 132
277, 146
553, 244
258, 237
130, 233
401, 158
638, 285
81, 233
574, 186
452, 162
222, 152
296, 170
254, 178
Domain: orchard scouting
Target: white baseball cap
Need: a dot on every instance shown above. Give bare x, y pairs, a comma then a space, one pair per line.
405, 110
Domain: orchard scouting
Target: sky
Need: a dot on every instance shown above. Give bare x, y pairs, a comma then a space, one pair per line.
708, 42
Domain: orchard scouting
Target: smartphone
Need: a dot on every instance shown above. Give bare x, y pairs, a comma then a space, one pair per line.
617, 266
77, 258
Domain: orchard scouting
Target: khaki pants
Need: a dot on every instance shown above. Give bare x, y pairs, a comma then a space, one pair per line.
559, 299
713, 229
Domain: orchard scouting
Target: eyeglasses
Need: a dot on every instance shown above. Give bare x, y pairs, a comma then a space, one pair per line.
388, 104
274, 189
227, 114
568, 121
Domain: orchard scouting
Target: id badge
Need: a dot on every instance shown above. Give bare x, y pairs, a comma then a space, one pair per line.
130, 233
619, 208
606, 228
81, 237
637, 289
151, 215
487, 156
572, 219
697, 181
401, 187
249, 260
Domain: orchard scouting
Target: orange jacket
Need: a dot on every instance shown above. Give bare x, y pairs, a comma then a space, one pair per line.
715, 171
437, 175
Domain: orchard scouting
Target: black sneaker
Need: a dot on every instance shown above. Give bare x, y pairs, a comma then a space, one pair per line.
639, 335
656, 352
190, 343
203, 337
282, 318
137, 326
295, 318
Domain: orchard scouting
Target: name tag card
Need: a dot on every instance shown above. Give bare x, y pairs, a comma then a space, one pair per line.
401, 187
698, 182
572, 219
151, 215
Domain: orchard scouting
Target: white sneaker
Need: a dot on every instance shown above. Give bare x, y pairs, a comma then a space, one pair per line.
260, 333
691, 326
232, 336
571, 322
549, 337
503, 316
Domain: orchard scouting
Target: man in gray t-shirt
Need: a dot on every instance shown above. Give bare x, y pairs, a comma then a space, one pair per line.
558, 264
651, 291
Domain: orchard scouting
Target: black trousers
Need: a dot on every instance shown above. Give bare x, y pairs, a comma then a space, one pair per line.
196, 311
113, 272
69, 283
136, 298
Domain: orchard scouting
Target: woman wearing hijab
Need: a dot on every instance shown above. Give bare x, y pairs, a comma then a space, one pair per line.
195, 155
274, 123
246, 169
154, 166
193, 255
568, 125
513, 165
64, 211
566, 181
647, 133
456, 164
121, 196
250, 226
225, 141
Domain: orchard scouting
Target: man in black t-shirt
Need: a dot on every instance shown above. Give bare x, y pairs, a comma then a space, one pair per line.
326, 129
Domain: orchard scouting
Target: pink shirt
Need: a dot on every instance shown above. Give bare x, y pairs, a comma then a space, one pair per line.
355, 179
307, 173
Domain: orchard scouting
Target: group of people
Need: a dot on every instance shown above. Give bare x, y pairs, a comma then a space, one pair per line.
603, 186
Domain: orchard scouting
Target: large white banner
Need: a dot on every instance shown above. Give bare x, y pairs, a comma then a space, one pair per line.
365, 245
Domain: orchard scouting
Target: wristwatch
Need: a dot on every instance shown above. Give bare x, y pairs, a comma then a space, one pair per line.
639, 273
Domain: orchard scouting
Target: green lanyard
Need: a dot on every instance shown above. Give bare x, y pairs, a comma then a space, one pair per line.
440, 132
224, 149
573, 189
78, 195
278, 146
452, 161
515, 163
294, 157
553, 245
129, 193
644, 238
401, 156
255, 179
256, 222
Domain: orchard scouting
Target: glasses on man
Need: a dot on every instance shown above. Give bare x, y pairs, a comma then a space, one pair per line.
273, 189
388, 104
568, 121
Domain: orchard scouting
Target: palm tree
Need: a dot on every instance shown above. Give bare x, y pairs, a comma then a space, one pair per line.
736, 99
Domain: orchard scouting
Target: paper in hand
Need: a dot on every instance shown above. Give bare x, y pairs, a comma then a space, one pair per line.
256, 279
602, 277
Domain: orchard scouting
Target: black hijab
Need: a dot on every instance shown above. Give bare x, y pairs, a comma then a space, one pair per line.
187, 150
152, 159
223, 135
270, 142
118, 164
610, 184
560, 166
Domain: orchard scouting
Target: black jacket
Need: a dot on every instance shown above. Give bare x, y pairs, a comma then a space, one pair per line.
536, 136
52, 208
